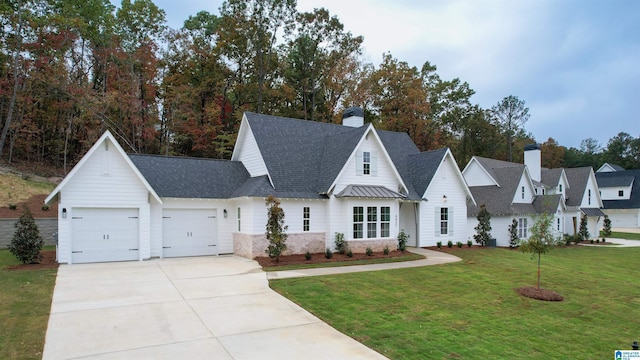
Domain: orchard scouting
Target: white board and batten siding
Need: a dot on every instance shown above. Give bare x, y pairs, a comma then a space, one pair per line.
476, 175
248, 153
529, 191
447, 190
105, 181
294, 215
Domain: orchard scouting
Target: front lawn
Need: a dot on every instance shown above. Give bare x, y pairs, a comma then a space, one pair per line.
623, 235
25, 303
470, 309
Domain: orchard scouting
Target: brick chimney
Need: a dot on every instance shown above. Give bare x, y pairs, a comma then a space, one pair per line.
353, 117
533, 161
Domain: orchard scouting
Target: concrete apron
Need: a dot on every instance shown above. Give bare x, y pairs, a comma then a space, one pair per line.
190, 308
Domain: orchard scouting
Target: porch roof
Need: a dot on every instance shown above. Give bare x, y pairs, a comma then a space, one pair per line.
370, 191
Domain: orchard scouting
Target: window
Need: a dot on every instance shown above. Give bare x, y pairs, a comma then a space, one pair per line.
366, 163
589, 196
558, 221
621, 193
444, 221
385, 219
522, 228
358, 220
560, 188
372, 222
536, 191
523, 192
305, 218
238, 219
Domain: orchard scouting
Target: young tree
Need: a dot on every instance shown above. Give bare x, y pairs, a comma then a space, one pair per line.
483, 229
513, 234
583, 232
26, 242
275, 228
541, 239
606, 226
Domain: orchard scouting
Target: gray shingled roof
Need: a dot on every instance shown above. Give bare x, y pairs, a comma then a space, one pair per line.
182, 177
614, 181
547, 204
592, 211
634, 201
498, 199
369, 191
423, 167
578, 178
614, 167
551, 177
400, 147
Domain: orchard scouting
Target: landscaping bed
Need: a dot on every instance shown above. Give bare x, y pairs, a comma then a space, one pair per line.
320, 258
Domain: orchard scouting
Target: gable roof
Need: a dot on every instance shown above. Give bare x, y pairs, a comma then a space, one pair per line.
400, 147
551, 177
423, 167
623, 176
184, 177
107, 136
607, 167
499, 199
547, 204
578, 179
614, 181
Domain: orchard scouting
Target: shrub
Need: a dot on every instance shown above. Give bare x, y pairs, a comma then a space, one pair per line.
307, 255
606, 226
328, 254
469, 243
45, 207
439, 244
584, 232
368, 251
450, 244
386, 250
459, 243
568, 239
597, 241
13, 206
513, 234
349, 253
603, 239
402, 241
483, 229
275, 229
26, 242
592, 241
341, 245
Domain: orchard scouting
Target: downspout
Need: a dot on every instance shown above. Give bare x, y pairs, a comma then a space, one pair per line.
416, 222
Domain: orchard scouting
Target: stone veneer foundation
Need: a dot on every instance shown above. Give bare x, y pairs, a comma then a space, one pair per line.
360, 246
251, 246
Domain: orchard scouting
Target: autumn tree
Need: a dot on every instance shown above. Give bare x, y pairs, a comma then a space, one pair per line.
511, 115
552, 154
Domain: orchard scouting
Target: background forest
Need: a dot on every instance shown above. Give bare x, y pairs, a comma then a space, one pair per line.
70, 69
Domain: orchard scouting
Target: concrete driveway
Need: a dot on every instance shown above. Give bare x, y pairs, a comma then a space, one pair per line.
190, 308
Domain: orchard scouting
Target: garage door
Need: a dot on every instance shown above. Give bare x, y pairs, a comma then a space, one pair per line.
189, 232
101, 235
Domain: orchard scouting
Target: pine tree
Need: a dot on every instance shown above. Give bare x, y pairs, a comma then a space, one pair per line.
26, 242
513, 234
606, 226
483, 230
584, 232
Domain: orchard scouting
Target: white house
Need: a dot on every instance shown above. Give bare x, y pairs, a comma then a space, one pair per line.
523, 191
620, 192
353, 179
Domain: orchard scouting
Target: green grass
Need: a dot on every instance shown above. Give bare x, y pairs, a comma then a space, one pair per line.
470, 309
406, 257
25, 303
623, 235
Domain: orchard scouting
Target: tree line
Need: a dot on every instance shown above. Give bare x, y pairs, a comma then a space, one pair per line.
70, 69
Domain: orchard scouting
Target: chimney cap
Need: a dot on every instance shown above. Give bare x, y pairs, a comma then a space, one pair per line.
533, 146
353, 111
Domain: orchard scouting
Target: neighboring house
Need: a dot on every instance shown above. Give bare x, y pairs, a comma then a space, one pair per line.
523, 191
620, 192
606, 167
353, 179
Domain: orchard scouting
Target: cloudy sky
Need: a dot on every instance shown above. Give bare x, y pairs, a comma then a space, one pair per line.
576, 63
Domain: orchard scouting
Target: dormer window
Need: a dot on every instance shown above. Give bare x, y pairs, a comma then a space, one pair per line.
523, 193
366, 163
620, 193
560, 188
589, 196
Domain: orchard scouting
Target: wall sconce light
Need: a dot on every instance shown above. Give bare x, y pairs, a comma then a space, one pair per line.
64, 213
225, 213
444, 198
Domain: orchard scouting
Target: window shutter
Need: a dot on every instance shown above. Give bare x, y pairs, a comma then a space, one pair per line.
359, 163
437, 225
450, 222
374, 164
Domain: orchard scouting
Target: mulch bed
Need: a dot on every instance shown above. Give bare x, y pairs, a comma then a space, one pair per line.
316, 258
539, 293
47, 261
35, 204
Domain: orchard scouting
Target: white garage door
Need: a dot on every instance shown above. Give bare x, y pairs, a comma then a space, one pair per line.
189, 232
101, 235
624, 220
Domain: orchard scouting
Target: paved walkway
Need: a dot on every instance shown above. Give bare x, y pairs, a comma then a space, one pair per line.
433, 258
184, 308
619, 243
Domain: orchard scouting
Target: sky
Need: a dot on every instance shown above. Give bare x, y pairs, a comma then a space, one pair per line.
576, 63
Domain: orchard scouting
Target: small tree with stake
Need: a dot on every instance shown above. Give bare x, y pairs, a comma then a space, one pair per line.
483, 229
541, 239
275, 228
26, 242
